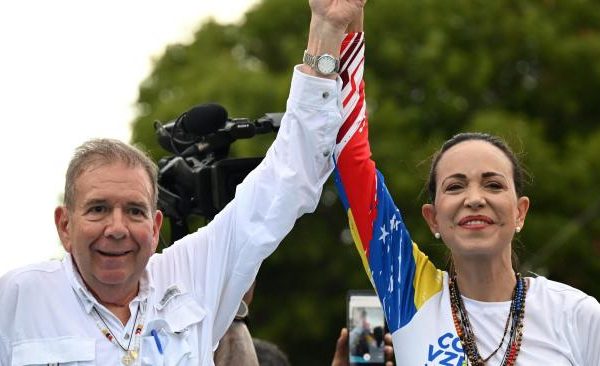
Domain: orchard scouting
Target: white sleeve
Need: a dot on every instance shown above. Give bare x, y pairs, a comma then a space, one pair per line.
587, 329
221, 260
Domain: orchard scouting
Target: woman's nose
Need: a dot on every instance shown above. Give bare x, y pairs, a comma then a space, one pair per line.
474, 199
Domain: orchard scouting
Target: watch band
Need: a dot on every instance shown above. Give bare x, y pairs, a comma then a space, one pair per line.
324, 64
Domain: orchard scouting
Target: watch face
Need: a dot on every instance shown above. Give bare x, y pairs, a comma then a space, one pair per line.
326, 64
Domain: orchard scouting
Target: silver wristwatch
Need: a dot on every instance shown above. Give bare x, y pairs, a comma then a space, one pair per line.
324, 64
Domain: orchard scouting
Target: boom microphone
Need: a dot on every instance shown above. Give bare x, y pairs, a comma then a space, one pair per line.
190, 126
204, 119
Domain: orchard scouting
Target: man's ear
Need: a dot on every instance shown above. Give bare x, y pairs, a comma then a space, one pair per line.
61, 220
158, 219
428, 212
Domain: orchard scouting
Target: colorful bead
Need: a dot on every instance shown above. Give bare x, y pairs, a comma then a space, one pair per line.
465, 331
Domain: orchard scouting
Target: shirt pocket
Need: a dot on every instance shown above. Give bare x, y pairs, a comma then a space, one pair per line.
184, 313
67, 351
170, 345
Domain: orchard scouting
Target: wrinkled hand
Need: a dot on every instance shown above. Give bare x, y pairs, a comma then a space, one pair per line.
340, 358
338, 13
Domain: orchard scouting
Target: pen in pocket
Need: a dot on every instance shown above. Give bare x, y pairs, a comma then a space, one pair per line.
157, 340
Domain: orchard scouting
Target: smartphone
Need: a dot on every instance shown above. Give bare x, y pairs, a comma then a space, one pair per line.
366, 328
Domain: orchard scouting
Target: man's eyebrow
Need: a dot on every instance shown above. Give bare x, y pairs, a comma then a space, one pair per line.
138, 204
99, 201
94, 201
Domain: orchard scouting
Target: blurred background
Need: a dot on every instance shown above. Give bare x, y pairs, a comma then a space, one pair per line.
527, 71
70, 70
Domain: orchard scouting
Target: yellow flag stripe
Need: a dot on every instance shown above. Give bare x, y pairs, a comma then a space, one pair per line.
428, 280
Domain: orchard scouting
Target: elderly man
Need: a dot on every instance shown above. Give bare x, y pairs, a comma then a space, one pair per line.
111, 300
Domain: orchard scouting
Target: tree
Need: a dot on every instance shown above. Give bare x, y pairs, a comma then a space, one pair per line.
527, 71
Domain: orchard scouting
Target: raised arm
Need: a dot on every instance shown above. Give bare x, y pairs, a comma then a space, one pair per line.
402, 276
328, 23
225, 256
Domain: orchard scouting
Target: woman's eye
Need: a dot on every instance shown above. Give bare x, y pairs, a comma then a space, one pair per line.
453, 187
494, 185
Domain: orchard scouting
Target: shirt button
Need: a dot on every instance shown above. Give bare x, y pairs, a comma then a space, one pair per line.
326, 153
126, 336
325, 95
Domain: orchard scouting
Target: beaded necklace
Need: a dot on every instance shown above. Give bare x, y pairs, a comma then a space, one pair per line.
465, 330
131, 353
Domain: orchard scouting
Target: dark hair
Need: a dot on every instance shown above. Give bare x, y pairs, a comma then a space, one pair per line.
518, 172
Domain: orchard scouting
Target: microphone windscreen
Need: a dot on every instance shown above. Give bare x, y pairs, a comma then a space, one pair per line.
204, 119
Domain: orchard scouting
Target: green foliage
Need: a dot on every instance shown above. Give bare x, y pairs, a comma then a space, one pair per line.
527, 71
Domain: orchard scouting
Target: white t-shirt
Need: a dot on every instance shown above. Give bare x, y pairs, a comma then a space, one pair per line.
189, 293
561, 327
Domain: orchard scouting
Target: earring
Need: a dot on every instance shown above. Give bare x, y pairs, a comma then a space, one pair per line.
437, 235
518, 229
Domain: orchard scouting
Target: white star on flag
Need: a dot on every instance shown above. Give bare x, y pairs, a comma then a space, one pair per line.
384, 234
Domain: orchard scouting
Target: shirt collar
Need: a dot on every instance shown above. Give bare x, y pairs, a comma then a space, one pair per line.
87, 299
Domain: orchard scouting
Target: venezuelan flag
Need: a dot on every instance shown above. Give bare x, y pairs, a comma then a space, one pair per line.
402, 276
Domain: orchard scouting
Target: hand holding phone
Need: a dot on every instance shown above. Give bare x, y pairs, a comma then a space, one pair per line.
366, 329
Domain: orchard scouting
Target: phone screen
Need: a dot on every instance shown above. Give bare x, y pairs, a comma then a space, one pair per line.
366, 327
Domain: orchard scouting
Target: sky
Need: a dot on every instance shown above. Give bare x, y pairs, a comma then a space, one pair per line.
70, 71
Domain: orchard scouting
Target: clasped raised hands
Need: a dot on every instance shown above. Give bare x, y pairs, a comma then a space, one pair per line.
337, 13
